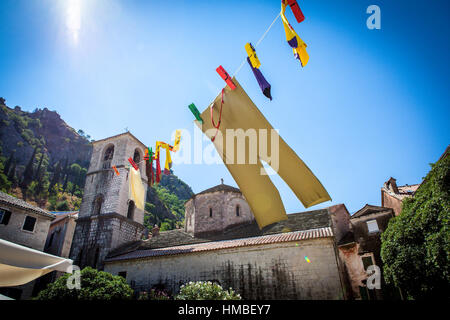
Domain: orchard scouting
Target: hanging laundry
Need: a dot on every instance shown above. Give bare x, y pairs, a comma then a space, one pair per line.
259, 191
136, 190
296, 43
263, 84
298, 14
251, 53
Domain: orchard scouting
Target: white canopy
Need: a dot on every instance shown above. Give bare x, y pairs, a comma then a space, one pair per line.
20, 265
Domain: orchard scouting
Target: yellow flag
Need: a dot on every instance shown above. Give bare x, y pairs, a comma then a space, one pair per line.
297, 44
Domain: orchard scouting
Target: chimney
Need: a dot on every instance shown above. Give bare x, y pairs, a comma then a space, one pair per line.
155, 231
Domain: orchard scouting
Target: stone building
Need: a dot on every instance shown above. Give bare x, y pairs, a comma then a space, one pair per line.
107, 217
360, 248
60, 234
393, 195
24, 224
292, 259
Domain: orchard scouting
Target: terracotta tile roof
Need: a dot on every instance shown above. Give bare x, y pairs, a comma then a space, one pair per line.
19, 203
226, 244
368, 210
219, 187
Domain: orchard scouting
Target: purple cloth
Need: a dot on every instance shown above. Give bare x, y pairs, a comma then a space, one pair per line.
293, 42
263, 84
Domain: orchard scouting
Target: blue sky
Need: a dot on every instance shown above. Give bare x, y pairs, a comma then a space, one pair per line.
369, 105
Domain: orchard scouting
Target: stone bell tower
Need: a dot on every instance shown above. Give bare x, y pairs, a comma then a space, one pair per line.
107, 217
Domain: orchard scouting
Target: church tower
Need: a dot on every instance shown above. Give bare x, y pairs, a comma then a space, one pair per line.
107, 217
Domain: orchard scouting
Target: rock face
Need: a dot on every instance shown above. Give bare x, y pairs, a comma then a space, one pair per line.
22, 131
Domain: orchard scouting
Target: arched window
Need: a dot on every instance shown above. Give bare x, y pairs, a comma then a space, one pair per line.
98, 203
136, 156
109, 153
210, 212
131, 206
237, 210
107, 157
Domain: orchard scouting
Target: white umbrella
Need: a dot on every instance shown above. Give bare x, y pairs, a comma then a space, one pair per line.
20, 265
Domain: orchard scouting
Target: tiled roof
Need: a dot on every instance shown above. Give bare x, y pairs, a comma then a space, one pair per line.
19, 203
369, 209
60, 215
226, 244
220, 187
296, 222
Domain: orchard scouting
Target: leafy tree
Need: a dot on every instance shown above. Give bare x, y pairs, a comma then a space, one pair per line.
416, 245
28, 173
9, 163
206, 290
95, 285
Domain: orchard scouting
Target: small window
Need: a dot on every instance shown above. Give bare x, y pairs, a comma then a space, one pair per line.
130, 212
372, 226
29, 223
237, 210
109, 153
210, 212
136, 157
98, 204
367, 261
4, 216
122, 274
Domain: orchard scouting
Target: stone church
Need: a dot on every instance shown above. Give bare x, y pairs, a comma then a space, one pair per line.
293, 259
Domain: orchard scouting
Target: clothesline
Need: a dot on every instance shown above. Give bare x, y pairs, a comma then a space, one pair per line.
257, 43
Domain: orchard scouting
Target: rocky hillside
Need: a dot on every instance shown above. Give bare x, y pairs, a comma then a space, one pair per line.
44, 161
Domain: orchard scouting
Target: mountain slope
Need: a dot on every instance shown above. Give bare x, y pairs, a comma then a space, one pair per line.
44, 161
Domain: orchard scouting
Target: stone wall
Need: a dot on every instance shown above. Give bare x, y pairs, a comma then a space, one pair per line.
271, 271
389, 201
13, 230
223, 206
97, 234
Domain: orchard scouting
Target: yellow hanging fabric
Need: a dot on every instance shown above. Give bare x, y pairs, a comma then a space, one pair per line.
136, 191
297, 44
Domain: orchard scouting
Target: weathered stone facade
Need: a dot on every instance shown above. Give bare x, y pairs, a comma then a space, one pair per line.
105, 219
215, 210
269, 271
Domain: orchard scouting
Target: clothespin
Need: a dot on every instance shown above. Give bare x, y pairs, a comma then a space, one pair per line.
296, 10
133, 164
196, 113
115, 169
252, 55
225, 76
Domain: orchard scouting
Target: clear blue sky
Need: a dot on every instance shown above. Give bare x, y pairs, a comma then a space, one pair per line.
369, 105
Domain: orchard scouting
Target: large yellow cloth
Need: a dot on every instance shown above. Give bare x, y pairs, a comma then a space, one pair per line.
136, 191
239, 112
300, 50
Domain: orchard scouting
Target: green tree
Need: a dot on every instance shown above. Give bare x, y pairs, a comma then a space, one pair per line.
206, 290
95, 285
28, 173
416, 245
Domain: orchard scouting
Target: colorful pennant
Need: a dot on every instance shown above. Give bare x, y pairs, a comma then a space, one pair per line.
296, 43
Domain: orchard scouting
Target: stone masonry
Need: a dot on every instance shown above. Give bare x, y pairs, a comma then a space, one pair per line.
269, 271
104, 222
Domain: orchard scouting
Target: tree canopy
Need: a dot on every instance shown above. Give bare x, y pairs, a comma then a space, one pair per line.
416, 245
95, 285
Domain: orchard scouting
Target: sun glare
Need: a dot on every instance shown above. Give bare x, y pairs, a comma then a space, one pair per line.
73, 19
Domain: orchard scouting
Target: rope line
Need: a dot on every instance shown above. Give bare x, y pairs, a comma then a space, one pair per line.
257, 43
